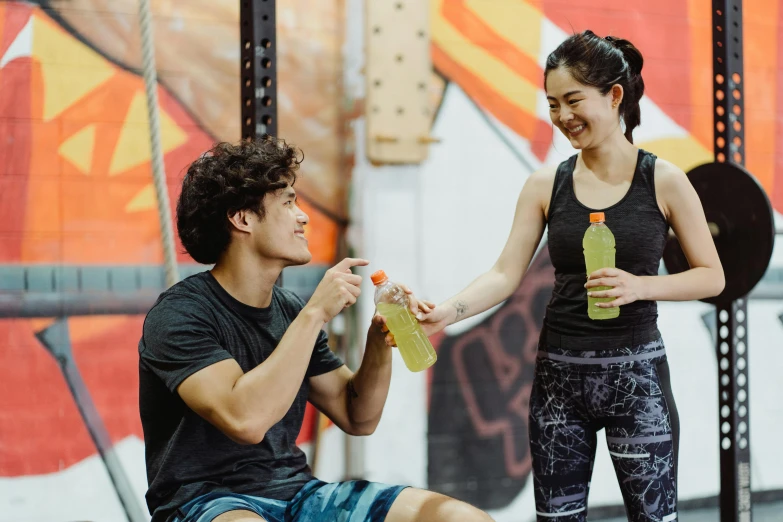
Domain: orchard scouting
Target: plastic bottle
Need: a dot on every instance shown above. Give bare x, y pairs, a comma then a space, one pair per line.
392, 303
599, 249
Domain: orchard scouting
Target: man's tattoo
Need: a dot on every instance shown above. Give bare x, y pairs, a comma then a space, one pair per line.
462, 309
352, 394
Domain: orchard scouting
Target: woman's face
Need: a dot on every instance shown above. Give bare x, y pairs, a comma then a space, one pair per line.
584, 115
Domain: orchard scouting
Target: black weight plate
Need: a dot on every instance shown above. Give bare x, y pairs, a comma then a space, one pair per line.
740, 217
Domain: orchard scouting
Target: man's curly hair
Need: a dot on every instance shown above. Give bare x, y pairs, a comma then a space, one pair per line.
226, 179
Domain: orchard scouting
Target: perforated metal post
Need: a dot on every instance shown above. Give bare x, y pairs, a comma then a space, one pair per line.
258, 68
732, 341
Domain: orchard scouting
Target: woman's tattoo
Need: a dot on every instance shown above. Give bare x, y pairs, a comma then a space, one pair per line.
461, 307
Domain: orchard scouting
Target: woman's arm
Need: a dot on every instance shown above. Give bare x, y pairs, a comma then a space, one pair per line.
685, 214
681, 205
498, 283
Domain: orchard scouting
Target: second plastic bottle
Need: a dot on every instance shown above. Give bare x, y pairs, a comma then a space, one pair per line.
392, 303
599, 248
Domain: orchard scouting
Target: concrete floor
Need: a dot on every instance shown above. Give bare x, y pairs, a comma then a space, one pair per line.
768, 512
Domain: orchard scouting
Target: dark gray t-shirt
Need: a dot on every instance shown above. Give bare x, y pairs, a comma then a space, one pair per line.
194, 324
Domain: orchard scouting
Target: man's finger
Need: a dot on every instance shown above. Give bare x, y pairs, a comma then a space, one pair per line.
355, 290
348, 262
350, 277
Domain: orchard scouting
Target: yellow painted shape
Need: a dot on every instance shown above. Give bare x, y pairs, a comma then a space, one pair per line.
144, 200
133, 145
78, 149
684, 152
516, 21
472, 57
70, 69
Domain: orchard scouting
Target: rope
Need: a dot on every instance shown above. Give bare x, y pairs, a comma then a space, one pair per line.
158, 171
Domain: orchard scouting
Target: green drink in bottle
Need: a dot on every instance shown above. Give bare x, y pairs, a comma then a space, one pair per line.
598, 244
392, 302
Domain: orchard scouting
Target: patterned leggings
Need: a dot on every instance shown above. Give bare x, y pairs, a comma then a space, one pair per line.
627, 392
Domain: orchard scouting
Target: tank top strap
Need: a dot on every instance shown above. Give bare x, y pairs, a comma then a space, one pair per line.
646, 172
561, 189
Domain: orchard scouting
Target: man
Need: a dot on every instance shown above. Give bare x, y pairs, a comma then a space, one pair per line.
228, 361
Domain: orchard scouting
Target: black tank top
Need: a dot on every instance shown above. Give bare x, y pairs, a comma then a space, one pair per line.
639, 230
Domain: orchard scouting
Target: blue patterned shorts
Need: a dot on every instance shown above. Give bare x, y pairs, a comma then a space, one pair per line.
354, 501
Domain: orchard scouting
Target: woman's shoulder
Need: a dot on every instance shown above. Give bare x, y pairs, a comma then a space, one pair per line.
671, 184
667, 168
668, 175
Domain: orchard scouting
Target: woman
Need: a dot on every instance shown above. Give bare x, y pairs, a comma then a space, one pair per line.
593, 374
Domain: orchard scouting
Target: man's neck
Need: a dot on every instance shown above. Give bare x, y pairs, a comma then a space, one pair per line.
248, 280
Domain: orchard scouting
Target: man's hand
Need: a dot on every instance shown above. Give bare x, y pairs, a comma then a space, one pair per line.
338, 289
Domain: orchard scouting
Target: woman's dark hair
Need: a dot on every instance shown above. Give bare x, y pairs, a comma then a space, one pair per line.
601, 63
224, 180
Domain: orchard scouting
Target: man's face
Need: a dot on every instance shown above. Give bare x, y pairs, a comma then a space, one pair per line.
280, 235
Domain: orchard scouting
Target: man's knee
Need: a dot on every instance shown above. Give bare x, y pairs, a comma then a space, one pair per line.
417, 505
239, 515
458, 510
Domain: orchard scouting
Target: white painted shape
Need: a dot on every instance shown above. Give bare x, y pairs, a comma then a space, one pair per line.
80, 492
469, 190
22, 45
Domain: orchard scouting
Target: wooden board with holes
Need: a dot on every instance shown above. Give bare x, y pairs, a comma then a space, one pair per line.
398, 69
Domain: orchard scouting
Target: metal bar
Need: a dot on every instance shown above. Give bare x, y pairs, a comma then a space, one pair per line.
56, 340
28, 291
63, 304
732, 346
732, 343
258, 68
258, 71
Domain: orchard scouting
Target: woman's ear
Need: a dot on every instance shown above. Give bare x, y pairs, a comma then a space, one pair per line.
617, 94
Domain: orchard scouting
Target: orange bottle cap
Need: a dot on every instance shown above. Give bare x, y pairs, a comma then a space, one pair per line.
597, 217
379, 277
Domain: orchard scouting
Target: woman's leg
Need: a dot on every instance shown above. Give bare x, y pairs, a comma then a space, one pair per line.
642, 436
562, 443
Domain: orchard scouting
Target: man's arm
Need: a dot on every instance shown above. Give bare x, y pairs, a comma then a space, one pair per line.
245, 405
355, 401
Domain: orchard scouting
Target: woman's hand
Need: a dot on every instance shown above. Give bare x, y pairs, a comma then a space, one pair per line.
624, 287
420, 309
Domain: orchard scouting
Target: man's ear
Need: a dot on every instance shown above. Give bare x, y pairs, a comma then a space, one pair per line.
240, 220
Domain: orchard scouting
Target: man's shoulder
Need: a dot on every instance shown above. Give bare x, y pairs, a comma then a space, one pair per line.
184, 297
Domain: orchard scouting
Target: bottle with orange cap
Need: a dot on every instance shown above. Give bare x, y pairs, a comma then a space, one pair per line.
392, 303
599, 248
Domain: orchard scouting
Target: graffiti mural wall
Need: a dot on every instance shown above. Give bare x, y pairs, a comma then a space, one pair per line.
495, 127
76, 192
